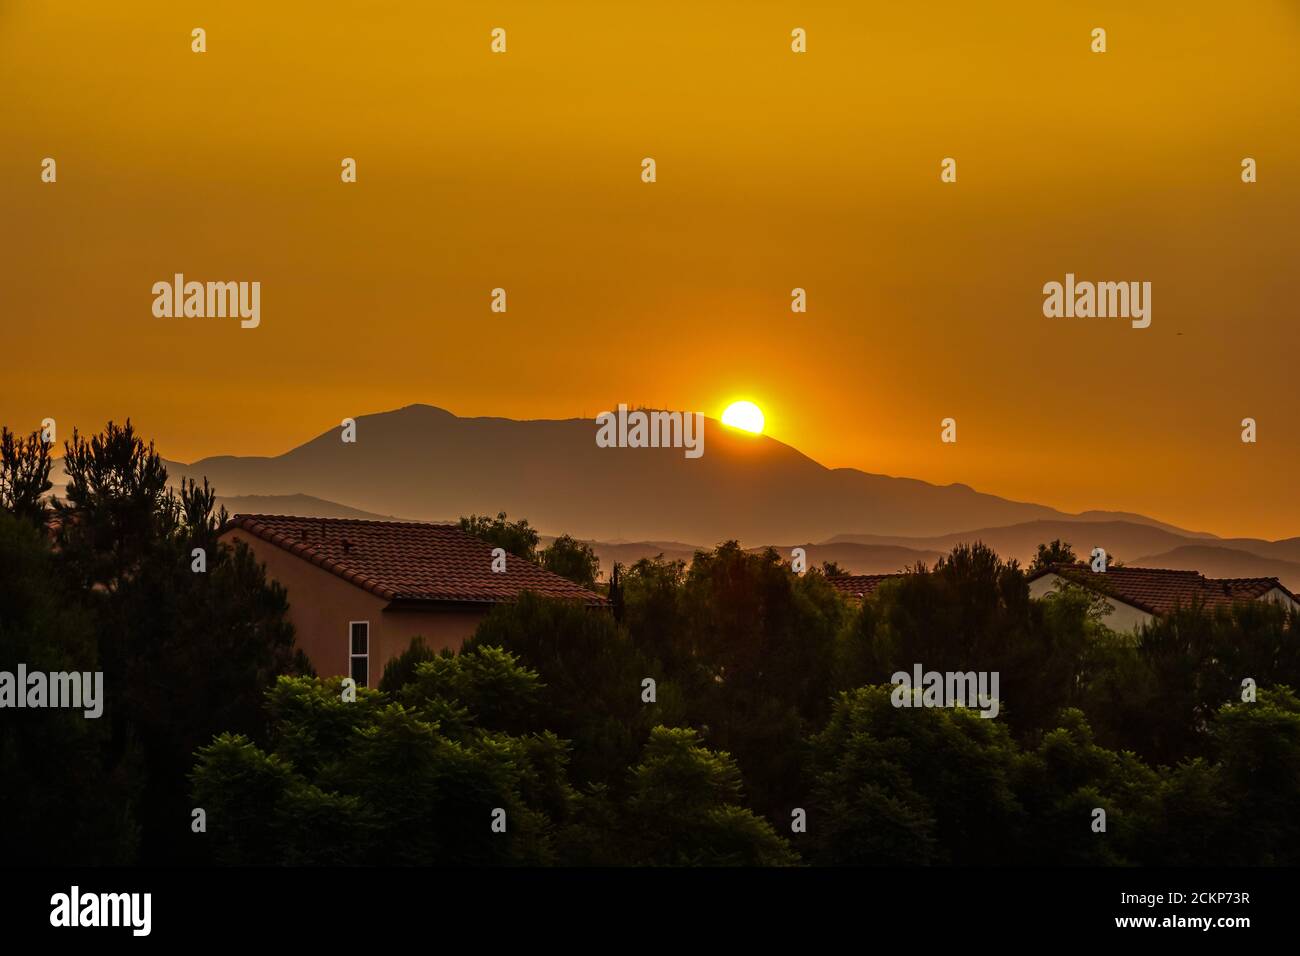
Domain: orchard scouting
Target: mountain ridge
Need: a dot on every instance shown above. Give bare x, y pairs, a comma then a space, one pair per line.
422, 462
425, 462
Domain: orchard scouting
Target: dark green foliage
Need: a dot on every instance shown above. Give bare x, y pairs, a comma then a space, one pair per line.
115, 508
400, 671
388, 782
515, 537
1064, 779
749, 646
24, 476
490, 683
652, 610
1058, 552
1156, 691
566, 556
1257, 745
753, 624
572, 559
592, 676
59, 799
684, 806
765, 733
185, 654
911, 786
724, 697
973, 612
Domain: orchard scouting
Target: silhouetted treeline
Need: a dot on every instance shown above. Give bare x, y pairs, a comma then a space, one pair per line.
104, 581
736, 713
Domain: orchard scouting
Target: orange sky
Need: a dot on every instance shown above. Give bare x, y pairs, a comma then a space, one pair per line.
775, 170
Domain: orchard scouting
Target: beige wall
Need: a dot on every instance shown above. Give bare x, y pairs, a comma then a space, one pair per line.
322, 606
1281, 597
1124, 617
440, 629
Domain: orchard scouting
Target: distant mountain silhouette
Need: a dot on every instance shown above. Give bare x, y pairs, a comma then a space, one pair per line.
630, 552
304, 505
852, 558
296, 504
1123, 540
1220, 562
1287, 549
425, 463
864, 558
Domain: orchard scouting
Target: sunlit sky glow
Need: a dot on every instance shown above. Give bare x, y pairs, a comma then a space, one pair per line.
775, 171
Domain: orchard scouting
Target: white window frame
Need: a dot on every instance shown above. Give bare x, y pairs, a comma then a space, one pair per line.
353, 656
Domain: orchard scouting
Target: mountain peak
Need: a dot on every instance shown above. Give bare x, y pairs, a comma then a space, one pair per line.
424, 462
413, 410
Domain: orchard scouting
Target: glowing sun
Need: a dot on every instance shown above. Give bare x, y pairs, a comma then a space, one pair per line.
744, 415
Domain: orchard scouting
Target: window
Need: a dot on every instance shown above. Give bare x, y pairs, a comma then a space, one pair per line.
360, 652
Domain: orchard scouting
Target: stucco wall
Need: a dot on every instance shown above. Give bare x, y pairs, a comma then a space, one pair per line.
440, 629
1124, 617
322, 605
1281, 597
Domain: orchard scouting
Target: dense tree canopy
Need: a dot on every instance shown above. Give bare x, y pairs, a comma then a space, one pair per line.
25, 465
185, 654
572, 559
514, 537
732, 712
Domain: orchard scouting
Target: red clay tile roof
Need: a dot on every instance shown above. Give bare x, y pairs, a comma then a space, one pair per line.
1160, 590
859, 585
408, 561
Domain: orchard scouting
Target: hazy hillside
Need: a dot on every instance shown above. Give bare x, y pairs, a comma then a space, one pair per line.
864, 558
630, 552
304, 505
1287, 549
291, 504
1219, 562
426, 463
853, 558
1124, 540
1018, 541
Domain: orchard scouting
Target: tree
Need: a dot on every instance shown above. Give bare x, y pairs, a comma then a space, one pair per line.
756, 661
515, 537
24, 476
1064, 780
685, 807
832, 569
572, 559
973, 613
908, 786
592, 678
756, 625
199, 518
59, 802
400, 671
378, 781
187, 652
1186, 665
1094, 597
653, 613
115, 508
498, 691
1058, 552
1258, 746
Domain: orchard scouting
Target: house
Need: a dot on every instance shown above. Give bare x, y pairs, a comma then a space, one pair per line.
859, 587
1139, 594
1136, 595
360, 590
